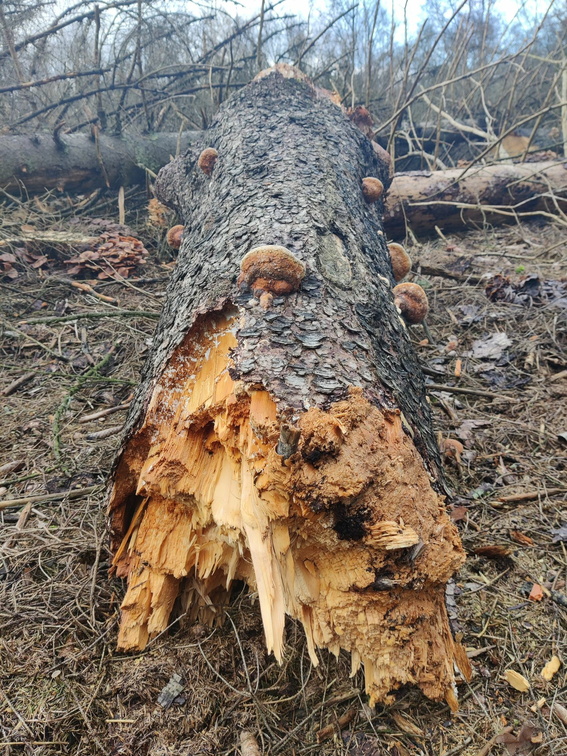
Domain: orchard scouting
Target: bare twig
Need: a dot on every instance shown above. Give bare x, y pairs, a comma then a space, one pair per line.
74, 493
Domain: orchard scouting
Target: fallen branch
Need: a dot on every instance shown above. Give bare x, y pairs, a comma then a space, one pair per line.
73, 493
418, 200
76, 162
470, 392
104, 433
15, 385
532, 495
103, 413
335, 727
490, 194
91, 315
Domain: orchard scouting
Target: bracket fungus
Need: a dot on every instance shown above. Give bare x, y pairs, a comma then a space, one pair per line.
401, 261
372, 188
271, 269
207, 160
412, 302
174, 236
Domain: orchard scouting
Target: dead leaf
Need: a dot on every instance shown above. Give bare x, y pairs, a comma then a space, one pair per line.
466, 431
516, 680
551, 668
520, 743
559, 534
39, 261
493, 552
458, 513
536, 593
490, 348
519, 537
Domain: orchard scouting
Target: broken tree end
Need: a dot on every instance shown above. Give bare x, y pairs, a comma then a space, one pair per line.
329, 515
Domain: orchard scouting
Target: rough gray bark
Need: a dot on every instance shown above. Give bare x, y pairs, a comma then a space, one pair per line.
289, 172
75, 162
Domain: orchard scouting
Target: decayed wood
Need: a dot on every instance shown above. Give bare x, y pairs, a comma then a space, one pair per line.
282, 437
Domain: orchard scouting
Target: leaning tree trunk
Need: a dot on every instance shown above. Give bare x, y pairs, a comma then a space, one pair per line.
282, 437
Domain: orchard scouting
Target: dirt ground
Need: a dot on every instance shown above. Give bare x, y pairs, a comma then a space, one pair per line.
64, 689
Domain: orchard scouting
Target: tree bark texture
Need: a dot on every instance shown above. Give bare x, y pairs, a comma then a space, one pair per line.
286, 440
77, 162
475, 195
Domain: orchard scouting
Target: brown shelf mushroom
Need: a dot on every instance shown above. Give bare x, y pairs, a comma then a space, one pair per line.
271, 269
372, 188
412, 302
174, 236
207, 160
401, 261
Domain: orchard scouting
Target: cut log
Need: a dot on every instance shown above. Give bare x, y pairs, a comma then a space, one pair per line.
281, 434
476, 195
75, 162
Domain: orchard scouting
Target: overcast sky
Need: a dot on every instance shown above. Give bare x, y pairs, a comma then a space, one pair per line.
416, 9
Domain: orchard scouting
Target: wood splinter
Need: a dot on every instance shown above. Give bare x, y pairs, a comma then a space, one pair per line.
287, 444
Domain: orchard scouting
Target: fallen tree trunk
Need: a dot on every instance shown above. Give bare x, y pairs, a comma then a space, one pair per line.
419, 200
477, 195
281, 435
77, 162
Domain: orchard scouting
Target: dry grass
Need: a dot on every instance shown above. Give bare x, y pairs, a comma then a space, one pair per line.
63, 687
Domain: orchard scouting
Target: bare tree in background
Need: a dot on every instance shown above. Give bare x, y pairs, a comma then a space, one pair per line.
457, 88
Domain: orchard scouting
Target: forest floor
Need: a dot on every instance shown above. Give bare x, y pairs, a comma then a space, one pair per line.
64, 689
